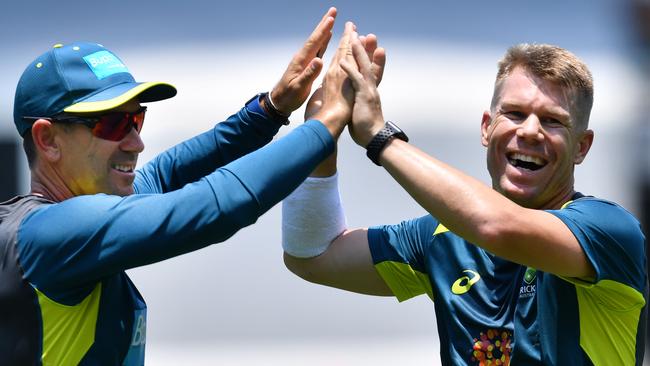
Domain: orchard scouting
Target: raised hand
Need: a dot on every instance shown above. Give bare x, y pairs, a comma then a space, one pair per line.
295, 85
378, 57
333, 104
367, 116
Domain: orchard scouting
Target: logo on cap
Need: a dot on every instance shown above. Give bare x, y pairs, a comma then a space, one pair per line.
104, 64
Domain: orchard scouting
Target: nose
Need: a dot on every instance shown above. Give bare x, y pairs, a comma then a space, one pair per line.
531, 129
132, 142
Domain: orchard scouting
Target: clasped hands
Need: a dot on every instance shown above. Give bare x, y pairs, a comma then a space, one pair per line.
348, 93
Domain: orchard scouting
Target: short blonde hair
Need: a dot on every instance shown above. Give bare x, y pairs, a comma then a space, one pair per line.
554, 64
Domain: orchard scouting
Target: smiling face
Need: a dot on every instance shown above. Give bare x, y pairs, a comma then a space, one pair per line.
93, 165
533, 141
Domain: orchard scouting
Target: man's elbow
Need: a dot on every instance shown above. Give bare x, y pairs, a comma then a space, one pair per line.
304, 268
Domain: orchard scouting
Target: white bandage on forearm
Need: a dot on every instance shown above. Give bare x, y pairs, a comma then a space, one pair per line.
312, 217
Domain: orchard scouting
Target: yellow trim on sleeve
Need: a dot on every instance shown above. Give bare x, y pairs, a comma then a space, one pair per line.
566, 204
68, 331
403, 280
440, 229
609, 319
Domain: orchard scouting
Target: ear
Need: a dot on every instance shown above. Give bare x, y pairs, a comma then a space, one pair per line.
43, 134
584, 144
485, 125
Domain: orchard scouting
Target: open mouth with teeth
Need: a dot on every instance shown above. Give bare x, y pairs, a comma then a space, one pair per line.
123, 168
526, 161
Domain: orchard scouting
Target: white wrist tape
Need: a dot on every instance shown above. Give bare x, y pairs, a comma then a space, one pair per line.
312, 217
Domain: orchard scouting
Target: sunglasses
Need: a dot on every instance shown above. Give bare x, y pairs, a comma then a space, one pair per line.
113, 126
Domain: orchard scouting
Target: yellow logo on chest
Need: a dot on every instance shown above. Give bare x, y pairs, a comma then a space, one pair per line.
463, 284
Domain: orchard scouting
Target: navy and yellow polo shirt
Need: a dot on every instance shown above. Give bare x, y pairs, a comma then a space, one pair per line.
491, 311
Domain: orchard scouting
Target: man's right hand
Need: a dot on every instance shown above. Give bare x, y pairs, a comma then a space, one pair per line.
315, 103
295, 85
367, 115
333, 100
378, 57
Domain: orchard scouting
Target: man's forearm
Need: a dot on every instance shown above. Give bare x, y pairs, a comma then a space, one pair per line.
243, 132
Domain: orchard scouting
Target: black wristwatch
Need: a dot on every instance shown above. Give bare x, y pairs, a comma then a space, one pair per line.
379, 141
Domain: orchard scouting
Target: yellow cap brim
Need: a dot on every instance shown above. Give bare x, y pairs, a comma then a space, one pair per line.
120, 94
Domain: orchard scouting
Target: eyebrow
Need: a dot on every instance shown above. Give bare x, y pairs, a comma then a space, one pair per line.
558, 113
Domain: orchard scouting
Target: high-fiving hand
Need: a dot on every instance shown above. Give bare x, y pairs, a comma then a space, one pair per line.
364, 71
295, 85
335, 92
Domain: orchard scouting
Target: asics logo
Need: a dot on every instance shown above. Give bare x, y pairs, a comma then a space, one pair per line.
463, 284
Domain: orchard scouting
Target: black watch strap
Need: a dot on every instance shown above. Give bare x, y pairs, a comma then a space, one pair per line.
268, 108
379, 141
272, 111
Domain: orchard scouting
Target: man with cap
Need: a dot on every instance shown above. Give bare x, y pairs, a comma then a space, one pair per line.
64, 247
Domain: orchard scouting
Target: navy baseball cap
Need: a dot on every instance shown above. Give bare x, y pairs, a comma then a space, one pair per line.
80, 77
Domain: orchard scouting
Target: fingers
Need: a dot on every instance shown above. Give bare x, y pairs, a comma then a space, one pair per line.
346, 54
344, 44
326, 42
361, 57
293, 88
358, 67
378, 63
323, 31
309, 74
353, 73
369, 43
376, 55
316, 43
349, 65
